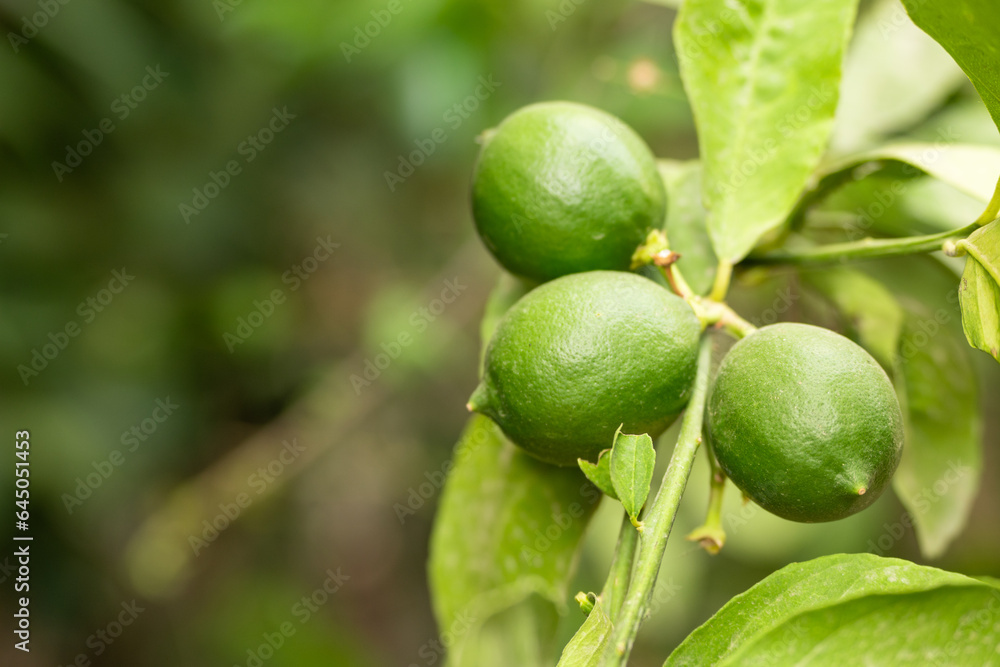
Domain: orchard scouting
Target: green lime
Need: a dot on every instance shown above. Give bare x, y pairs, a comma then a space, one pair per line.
576, 357
563, 188
805, 422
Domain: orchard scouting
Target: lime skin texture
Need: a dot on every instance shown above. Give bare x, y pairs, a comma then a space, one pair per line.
580, 355
564, 188
805, 422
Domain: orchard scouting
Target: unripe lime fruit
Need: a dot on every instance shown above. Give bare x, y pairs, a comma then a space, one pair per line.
563, 188
579, 356
805, 422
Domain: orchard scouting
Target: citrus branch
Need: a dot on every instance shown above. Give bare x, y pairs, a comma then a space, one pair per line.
659, 518
865, 249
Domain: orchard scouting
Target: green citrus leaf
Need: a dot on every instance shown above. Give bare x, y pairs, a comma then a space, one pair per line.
968, 30
895, 75
600, 473
980, 289
868, 305
504, 544
938, 475
632, 462
980, 297
845, 608
686, 224
972, 170
587, 646
763, 80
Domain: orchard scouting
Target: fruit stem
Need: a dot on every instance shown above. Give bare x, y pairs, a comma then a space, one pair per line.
864, 249
722, 277
616, 585
710, 534
659, 518
720, 315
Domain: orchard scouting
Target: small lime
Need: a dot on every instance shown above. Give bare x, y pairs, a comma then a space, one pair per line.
805, 422
578, 356
563, 188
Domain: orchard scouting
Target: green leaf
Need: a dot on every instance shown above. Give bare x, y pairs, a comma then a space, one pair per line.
851, 609
972, 170
968, 30
686, 223
980, 289
895, 75
873, 310
938, 475
632, 462
587, 646
599, 474
763, 80
503, 548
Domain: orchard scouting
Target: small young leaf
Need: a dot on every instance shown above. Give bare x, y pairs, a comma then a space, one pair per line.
503, 547
824, 611
600, 473
686, 223
587, 646
763, 78
632, 462
968, 30
874, 311
980, 298
980, 289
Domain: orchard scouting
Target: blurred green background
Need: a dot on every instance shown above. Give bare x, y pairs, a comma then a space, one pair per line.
310, 323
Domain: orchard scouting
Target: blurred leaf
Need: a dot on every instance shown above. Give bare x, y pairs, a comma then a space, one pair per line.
506, 530
587, 646
972, 170
968, 30
632, 462
763, 79
820, 611
873, 310
599, 474
686, 223
894, 76
980, 289
938, 475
